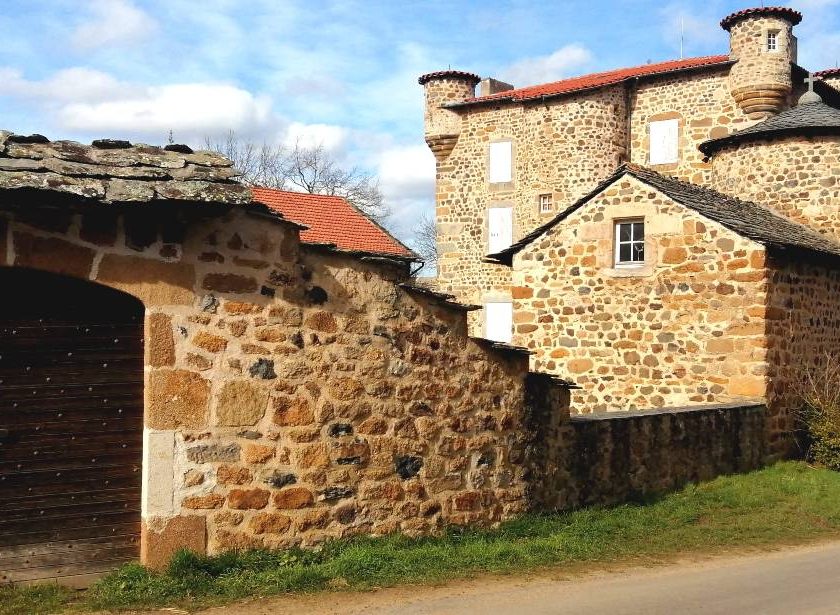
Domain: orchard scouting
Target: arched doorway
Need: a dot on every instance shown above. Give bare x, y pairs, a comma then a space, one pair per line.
71, 426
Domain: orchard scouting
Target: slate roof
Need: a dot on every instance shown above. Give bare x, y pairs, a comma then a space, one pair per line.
813, 118
111, 171
442, 74
334, 221
788, 13
746, 218
597, 80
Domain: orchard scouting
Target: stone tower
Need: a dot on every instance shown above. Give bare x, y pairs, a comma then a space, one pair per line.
762, 44
442, 126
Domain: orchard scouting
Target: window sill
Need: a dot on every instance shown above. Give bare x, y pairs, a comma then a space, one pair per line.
629, 271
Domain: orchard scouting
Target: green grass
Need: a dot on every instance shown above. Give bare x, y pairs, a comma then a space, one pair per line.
787, 503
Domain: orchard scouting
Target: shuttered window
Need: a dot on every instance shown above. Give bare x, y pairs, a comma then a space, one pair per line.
664, 141
501, 162
499, 228
498, 323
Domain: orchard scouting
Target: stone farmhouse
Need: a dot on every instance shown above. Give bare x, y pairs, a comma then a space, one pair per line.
665, 235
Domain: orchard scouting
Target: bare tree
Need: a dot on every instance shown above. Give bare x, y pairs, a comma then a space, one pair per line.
302, 168
258, 165
425, 240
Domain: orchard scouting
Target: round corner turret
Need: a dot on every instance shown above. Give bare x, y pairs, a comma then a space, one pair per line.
764, 48
442, 124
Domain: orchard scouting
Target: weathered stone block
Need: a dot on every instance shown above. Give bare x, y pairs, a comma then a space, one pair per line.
176, 398
241, 403
229, 283
160, 345
293, 498
245, 499
153, 282
206, 453
270, 523
52, 254
161, 538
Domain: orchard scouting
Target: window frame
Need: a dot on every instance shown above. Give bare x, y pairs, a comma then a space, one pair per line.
550, 197
618, 242
774, 36
491, 209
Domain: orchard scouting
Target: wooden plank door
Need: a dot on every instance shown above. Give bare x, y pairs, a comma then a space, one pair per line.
71, 428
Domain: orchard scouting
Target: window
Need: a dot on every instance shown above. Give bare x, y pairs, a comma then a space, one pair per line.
499, 228
498, 321
546, 204
664, 141
629, 243
501, 162
773, 40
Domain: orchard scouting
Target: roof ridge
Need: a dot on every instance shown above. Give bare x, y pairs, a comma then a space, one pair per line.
620, 74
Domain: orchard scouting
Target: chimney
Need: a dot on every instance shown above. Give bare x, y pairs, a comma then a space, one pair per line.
492, 86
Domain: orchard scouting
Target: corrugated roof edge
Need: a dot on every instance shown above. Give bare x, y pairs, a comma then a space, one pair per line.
831, 248
511, 98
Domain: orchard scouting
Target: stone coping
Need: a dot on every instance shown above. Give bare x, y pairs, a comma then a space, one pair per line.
792, 15
748, 404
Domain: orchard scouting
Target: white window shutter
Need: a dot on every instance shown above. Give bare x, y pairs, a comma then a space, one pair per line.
501, 162
664, 141
499, 228
498, 321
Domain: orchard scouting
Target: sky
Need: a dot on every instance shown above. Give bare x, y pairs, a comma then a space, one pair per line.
342, 74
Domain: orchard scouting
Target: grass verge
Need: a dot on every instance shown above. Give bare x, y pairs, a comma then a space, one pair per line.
787, 503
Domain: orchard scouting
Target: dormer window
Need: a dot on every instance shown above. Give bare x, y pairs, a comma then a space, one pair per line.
629, 243
772, 40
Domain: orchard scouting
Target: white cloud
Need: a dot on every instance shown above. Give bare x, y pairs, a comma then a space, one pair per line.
329, 136
542, 69
189, 109
112, 22
78, 84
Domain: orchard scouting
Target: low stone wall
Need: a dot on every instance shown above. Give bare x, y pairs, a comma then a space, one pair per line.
609, 458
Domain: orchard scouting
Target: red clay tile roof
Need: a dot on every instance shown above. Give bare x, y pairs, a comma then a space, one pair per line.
445, 74
597, 80
829, 72
778, 11
332, 220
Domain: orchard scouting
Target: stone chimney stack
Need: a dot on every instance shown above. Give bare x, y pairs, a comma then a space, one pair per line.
492, 86
762, 43
442, 125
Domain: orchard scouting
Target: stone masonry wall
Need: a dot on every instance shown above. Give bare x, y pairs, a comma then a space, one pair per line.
687, 328
704, 109
797, 176
606, 459
803, 334
563, 148
291, 396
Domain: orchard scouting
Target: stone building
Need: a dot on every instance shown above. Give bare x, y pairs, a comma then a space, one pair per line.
654, 234
180, 368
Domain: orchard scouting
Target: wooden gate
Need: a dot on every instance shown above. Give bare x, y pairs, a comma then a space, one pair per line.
71, 427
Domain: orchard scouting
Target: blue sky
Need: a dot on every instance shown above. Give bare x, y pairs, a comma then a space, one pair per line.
340, 73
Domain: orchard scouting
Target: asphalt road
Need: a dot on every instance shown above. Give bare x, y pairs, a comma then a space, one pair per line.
796, 581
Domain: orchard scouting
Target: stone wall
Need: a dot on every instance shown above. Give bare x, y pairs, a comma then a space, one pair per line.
797, 176
685, 328
611, 458
563, 148
704, 108
803, 334
291, 395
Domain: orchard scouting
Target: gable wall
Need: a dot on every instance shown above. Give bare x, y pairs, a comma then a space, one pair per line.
688, 328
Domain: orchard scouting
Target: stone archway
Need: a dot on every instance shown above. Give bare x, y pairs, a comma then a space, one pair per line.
71, 426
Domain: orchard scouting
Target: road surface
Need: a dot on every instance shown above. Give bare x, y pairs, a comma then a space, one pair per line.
797, 581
